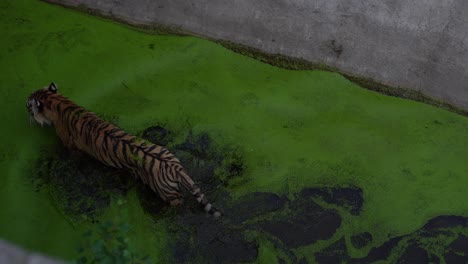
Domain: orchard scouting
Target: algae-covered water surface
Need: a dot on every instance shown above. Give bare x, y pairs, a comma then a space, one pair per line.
307, 166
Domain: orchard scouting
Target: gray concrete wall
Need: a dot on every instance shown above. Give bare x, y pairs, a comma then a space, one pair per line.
421, 45
12, 254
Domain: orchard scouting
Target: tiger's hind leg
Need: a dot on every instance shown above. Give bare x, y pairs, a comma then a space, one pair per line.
173, 195
176, 201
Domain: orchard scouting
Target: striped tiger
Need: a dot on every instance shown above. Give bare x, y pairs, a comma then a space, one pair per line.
85, 131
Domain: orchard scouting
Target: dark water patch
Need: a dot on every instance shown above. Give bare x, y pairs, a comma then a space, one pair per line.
206, 240
379, 253
202, 239
424, 244
302, 221
282, 252
445, 221
255, 204
453, 258
225, 246
459, 245
361, 240
78, 184
307, 223
414, 254
434, 259
288, 224
335, 253
348, 197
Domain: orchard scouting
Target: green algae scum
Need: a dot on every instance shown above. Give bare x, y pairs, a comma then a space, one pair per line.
307, 166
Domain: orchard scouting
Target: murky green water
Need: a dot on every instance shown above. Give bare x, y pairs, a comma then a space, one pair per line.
295, 129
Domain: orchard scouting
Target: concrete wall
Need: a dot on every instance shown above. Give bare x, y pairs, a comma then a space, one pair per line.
421, 45
10, 253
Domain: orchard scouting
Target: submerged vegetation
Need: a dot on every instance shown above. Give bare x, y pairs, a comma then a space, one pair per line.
108, 243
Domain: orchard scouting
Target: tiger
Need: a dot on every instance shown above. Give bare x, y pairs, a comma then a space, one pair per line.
83, 131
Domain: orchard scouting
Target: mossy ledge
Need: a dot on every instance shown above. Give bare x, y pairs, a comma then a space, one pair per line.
292, 63
278, 60
145, 28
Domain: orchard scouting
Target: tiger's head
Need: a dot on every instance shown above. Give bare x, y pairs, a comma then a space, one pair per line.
38, 105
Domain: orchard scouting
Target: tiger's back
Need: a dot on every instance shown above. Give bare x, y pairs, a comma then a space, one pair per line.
78, 128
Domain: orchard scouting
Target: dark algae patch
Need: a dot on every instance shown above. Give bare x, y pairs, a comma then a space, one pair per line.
78, 184
304, 225
427, 245
255, 204
205, 240
158, 135
379, 253
361, 240
459, 245
348, 197
287, 224
281, 152
414, 254
335, 253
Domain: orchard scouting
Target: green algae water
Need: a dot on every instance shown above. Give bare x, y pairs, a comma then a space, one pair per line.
294, 130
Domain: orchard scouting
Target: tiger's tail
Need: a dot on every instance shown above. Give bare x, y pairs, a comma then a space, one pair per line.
188, 183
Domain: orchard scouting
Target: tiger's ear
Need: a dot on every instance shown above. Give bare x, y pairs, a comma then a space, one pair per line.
39, 106
53, 87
